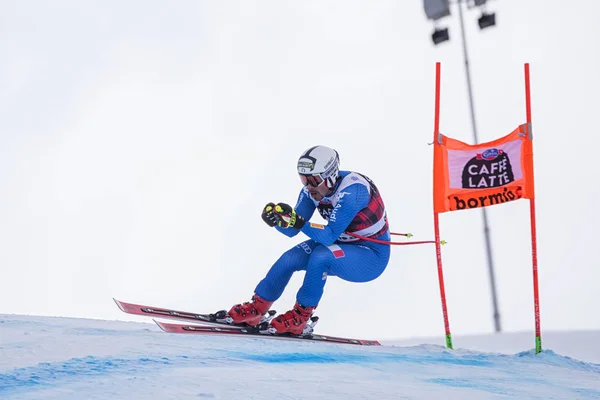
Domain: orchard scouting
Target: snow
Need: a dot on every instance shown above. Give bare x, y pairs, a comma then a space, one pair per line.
69, 358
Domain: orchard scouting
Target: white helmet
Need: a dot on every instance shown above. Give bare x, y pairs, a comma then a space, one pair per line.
319, 164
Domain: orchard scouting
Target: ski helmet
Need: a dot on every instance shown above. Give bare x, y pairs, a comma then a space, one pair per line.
319, 164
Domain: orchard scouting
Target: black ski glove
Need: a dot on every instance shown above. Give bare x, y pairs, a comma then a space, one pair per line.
268, 215
288, 217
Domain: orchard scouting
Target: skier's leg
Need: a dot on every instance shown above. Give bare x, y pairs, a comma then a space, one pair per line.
350, 262
361, 263
271, 287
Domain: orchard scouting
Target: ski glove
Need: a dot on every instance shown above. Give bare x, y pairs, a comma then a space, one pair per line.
288, 217
268, 215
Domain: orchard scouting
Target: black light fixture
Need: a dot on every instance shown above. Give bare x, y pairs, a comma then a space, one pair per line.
436, 10
440, 35
486, 20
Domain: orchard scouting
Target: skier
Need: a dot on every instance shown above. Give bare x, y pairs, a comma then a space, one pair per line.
351, 203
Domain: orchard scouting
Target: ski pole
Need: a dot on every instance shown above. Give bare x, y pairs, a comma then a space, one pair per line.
408, 235
393, 243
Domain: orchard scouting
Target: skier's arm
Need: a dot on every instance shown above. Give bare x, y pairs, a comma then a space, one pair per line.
305, 207
352, 199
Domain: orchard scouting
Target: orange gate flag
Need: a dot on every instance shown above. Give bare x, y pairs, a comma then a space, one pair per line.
473, 176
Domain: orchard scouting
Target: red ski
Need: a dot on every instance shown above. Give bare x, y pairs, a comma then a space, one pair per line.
213, 324
150, 311
237, 331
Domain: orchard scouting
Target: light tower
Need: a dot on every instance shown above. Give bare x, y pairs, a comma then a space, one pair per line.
437, 10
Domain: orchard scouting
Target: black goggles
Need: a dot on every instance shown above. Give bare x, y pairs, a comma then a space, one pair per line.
312, 180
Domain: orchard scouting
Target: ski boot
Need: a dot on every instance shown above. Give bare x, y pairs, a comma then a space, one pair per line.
251, 313
295, 321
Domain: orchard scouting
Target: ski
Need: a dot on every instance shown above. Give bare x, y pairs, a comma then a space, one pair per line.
254, 332
216, 319
217, 323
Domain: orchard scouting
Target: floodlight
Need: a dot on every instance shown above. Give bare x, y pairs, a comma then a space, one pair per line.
486, 20
440, 35
436, 9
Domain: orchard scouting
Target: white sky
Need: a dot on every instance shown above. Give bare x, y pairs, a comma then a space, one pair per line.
139, 141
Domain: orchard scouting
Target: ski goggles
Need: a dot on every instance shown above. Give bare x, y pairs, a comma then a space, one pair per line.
311, 180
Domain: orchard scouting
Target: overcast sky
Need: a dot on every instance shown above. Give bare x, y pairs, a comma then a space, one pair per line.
139, 141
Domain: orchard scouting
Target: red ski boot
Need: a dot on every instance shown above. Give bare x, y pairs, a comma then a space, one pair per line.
250, 312
293, 321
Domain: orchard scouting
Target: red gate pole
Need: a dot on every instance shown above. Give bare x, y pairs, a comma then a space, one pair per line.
436, 221
536, 297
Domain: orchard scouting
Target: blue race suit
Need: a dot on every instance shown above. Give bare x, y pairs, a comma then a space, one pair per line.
353, 206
